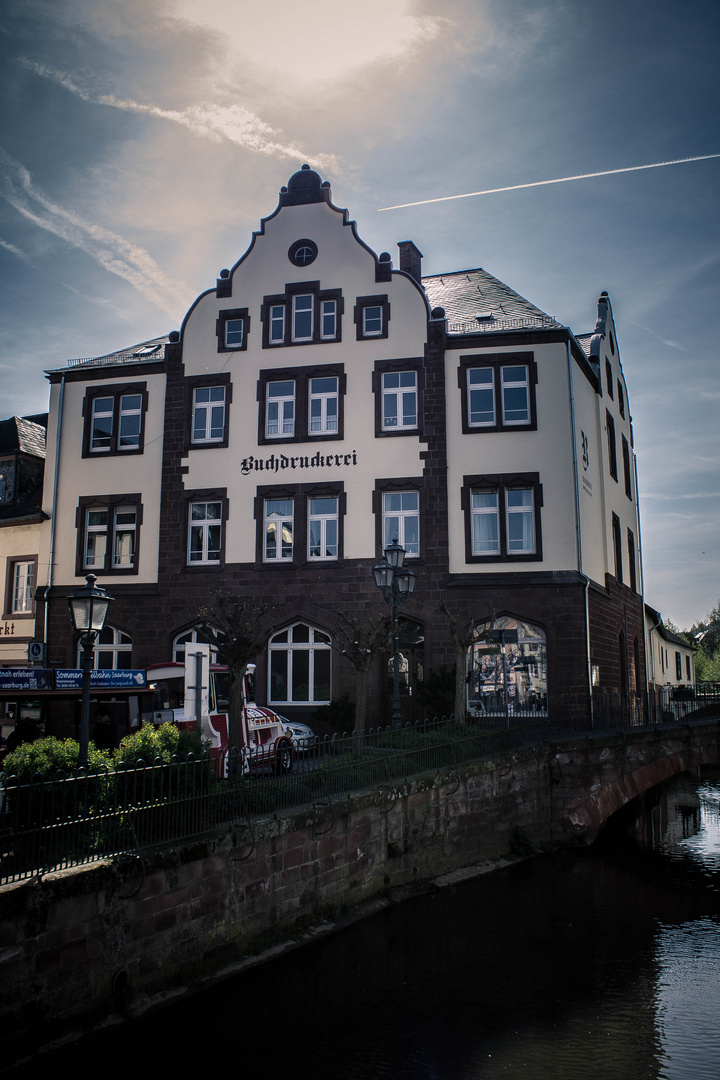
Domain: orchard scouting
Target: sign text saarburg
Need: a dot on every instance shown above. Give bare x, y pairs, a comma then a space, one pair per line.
278, 462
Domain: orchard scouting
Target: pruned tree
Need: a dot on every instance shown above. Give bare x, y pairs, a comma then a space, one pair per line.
234, 628
463, 632
361, 640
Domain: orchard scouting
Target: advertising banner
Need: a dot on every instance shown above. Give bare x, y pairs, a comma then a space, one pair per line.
26, 679
100, 679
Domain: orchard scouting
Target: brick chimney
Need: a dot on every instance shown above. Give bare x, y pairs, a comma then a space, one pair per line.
410, 259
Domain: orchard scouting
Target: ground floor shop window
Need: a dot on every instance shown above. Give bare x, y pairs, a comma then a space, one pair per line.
507, 668
299, 666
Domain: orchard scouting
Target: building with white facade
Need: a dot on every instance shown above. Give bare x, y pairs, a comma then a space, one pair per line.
670, 659
318, 402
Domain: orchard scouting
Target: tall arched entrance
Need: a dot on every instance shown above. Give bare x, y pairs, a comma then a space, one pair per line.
412, 672
507, 669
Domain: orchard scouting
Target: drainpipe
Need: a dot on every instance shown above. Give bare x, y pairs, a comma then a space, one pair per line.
578, 535
53, 526
642, 577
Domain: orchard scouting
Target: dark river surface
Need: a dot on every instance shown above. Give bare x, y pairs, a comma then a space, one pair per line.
602, 963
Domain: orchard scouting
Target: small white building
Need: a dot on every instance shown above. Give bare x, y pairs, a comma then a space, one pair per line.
670, 658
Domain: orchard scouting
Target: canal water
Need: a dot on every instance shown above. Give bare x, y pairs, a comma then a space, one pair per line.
602, 963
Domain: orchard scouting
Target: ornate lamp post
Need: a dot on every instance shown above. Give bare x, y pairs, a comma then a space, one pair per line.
396, 583
88, 608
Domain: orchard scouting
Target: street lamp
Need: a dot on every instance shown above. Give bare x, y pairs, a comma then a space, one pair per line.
396, 583
88, 608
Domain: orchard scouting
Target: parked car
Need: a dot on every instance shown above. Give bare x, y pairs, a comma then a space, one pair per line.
302, 737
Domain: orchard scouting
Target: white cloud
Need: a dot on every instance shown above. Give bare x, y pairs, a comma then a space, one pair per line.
209, 120
15, 251
114, 253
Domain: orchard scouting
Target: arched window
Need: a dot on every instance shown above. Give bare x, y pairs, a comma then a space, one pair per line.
191, 637
299, 667
636, 664
113, 650
507, 668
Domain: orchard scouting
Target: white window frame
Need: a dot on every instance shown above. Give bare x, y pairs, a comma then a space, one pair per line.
321, 402
201, 527
304, 255
129, 416
396, 521
323, 528
102, 444
514, 511
276, 328
328, 319
280, 410
121, 645
124, 548
301, 313
480, 511
96, 529
484, 386
191, 637
507, 386
23, 587
318, 643
401, 389
278, 520
205, 413
234, 333
369, 329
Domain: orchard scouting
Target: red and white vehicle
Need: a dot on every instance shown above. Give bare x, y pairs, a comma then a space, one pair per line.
194, 696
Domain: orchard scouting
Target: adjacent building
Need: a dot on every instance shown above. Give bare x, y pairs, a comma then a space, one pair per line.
670, 659
22, 521
318, 402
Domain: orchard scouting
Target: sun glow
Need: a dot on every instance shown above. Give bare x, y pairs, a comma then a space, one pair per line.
309, 41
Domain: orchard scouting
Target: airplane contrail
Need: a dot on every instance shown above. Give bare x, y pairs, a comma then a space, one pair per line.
540, 183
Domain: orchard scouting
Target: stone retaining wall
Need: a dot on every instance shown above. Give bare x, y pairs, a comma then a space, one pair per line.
106, 939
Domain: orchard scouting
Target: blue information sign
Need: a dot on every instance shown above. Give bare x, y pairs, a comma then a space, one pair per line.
100, 679
25, 679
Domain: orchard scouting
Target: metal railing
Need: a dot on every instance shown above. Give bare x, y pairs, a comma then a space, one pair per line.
50, 824
474, 326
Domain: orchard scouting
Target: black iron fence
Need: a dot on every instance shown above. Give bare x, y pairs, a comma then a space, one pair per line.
51, 823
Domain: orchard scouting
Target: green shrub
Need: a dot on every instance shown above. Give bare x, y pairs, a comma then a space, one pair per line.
338, 716
43, 759
164, 742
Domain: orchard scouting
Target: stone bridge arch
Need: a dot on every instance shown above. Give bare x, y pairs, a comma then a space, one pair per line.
594, 778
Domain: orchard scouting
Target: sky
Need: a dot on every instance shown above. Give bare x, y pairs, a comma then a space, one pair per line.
141, 142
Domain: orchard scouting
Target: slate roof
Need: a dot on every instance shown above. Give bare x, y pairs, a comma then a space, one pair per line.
583, 341
17, 434
475, 300
661, 628
142, 353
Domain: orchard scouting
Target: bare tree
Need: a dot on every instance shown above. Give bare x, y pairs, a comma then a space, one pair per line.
233, 628
361, 640
463, 632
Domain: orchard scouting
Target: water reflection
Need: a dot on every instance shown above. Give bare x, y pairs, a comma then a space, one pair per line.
601, 964
688, 1000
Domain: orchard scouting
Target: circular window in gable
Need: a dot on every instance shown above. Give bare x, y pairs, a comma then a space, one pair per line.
302, 252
